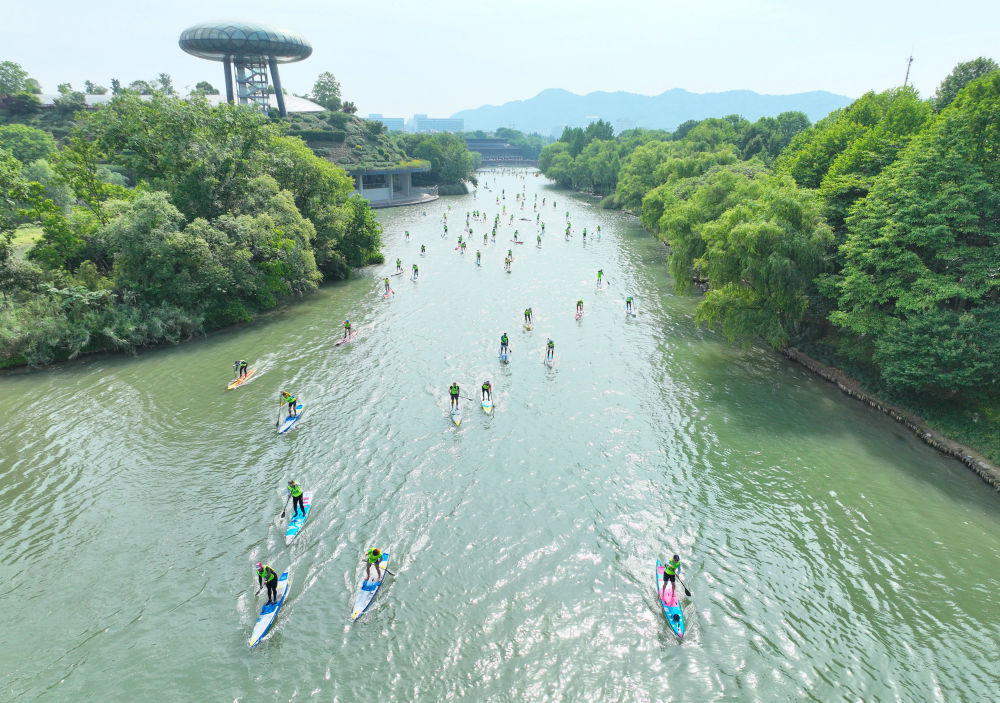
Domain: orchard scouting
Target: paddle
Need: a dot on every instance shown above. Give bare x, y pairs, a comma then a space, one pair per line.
286, 504
278, 421
686, 591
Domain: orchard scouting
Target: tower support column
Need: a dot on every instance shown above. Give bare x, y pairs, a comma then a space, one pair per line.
277, 87
228, 67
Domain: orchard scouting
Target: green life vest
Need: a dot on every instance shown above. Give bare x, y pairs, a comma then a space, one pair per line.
628, 299
552, 345
670, 568
267, 573
454, 390
296, 490
374, 556
286, 398
486, 386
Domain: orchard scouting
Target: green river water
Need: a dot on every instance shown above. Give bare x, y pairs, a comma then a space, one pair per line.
831, 555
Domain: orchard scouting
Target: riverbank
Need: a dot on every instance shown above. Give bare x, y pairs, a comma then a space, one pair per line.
979, 463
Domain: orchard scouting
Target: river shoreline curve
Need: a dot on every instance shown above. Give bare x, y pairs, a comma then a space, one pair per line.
983, 467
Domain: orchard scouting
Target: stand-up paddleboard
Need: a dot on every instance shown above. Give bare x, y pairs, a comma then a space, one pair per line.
527, 327
479, 263
505, 356
386, 295
298, 519
517, 241
289, 422
487, 406
538, 246
398, 273
345, 340
269, 612
633, 312
366, 594
241, 380
456, 416
549, 361
671, 608
578, 316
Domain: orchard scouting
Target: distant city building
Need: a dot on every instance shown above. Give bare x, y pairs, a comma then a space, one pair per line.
423, 123
250, 50
393, 124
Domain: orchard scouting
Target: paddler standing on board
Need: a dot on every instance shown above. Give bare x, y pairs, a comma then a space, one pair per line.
415, 272
453, 392
600, 277
399, 265
374, 559
287, 397
387, 285
628, 304
550, 350
579, 307
240, 368
527, 316
295, 491
423, 250
479, 257
503, 344
267, 575
347, 328
670, 570
487, 391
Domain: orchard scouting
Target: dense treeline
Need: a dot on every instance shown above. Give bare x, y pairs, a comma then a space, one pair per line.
452, 164
871, 239
174, 217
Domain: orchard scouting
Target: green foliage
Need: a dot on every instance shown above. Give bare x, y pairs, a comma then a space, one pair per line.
963, 74
21, 104
326, 91
451, 161
69, 100
26, 143
923, 250
13, 79
204, 88
318, 135
91, 88
228, 218
762, 257
852, 172
55, 189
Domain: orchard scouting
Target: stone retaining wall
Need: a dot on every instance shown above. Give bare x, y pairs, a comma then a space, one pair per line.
986, 470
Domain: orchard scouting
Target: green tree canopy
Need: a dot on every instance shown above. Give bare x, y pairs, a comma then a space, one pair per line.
963, 74
13, 78
920, 281
326, 91
26, 143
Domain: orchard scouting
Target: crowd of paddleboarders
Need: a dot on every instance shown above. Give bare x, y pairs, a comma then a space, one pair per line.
278, 584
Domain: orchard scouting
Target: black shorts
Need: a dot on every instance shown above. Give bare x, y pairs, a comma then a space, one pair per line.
668, 577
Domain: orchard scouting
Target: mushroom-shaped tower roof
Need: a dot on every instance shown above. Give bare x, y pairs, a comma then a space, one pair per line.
243, 40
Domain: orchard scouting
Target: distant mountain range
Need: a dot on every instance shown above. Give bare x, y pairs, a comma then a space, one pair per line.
552, 109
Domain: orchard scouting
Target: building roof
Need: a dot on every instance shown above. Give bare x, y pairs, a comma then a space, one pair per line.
244, 40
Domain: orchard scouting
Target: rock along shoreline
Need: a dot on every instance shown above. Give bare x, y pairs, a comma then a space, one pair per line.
983, 467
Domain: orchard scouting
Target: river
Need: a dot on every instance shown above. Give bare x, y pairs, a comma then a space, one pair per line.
831, 555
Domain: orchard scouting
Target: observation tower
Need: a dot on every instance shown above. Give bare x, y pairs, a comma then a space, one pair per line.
251, 49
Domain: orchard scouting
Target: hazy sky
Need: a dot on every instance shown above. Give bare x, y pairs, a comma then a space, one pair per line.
439, 56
